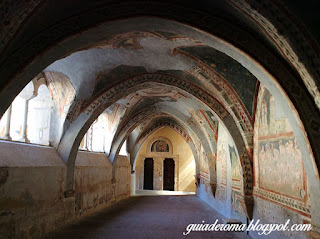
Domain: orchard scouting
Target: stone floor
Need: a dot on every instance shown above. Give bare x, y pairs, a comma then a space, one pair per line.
144, 217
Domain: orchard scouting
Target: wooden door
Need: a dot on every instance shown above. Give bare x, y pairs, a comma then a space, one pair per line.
168, 174
148, 174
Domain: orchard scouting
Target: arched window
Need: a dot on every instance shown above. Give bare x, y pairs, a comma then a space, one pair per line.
28, 117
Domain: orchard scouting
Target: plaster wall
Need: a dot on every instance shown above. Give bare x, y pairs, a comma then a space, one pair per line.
281, 189
183, 159
226, 200
32, 186
268, 212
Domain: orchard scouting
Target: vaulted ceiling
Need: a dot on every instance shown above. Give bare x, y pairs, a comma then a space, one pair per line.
190, 65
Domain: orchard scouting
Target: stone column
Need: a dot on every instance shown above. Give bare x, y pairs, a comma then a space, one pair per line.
85, 142
24, 137
89, 138
8, 120
26, 94
104, 142
133, 183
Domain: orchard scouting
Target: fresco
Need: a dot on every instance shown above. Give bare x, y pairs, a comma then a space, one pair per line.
61, 90
211, 120
235, 168
108, 78
184, 75
222, 171
167, 35
242, 81
113, 115
222, 162
272, 121
280, 163
221, 193
209, 128
236, 199
204, 167
160, 146
129, 43
281, 156
210, 123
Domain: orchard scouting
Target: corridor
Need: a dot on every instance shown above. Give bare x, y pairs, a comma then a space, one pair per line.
213, 107
149, 217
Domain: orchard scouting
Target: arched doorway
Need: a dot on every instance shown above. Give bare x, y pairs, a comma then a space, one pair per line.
168, 174
148, 174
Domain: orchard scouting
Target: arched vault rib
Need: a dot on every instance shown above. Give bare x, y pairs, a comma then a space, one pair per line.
124, 132
72, 137
188, 135
222, 89
160, 112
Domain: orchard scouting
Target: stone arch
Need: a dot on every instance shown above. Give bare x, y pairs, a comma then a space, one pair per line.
121, 135
133, 121
91, 111
141, 139
150, 135
267, 16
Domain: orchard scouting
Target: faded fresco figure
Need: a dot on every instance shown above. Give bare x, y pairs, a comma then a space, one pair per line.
280, 162
160, 146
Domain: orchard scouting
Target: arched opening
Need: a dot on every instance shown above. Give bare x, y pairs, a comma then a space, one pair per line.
174, 163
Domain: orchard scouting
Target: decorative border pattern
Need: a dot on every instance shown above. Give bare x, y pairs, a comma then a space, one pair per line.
282, 44
247, 173
143, 81
216, 83
301, 207
171, 125
74, 110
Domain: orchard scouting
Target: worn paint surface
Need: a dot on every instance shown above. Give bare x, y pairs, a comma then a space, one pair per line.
32, 185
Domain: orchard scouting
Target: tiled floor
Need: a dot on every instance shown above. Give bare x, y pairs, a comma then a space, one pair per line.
147, 217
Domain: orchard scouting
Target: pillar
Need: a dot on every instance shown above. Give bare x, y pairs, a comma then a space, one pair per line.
89, 138
8, 121
26, 94
24, 137
85, 142
133, 183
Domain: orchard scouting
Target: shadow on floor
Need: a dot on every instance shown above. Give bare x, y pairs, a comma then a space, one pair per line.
148, 217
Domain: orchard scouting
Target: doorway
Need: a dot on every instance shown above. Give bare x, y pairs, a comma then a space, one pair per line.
168, 174
148, 174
